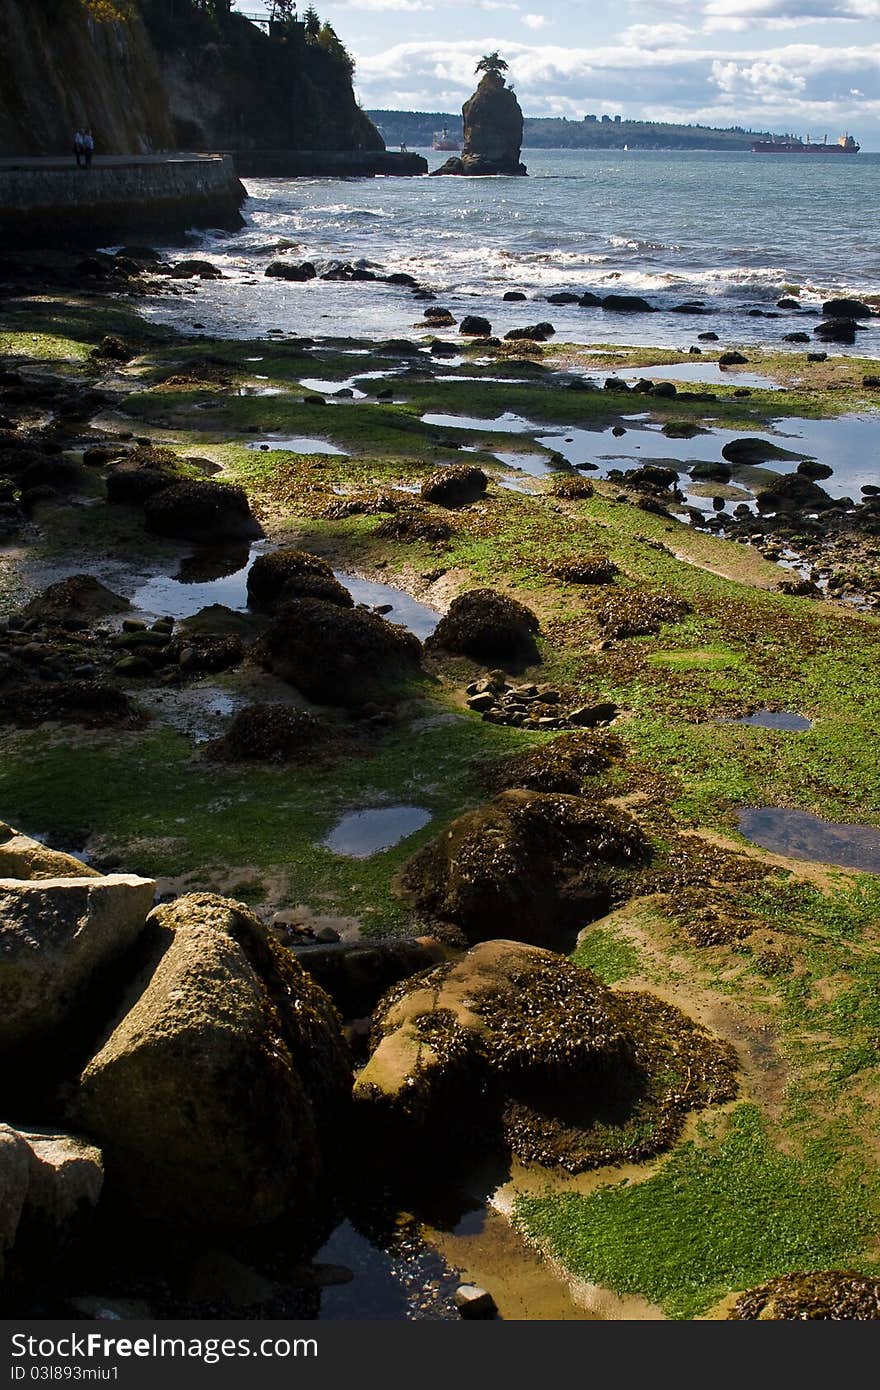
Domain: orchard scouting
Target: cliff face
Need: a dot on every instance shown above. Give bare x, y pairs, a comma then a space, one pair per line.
493, 131
244, 90
60, 69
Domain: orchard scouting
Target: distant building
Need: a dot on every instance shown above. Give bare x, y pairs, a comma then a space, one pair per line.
606, 120
617, 120
594, 119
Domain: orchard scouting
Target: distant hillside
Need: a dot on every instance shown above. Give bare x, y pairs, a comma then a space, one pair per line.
416, 128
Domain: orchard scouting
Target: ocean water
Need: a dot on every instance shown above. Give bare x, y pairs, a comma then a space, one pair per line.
733, 230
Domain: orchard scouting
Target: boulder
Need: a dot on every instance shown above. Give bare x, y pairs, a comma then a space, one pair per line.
626, 304
338, 656
566, 764
271, 734
570, 487
455, 486
792, 493
828, 1294
518, 1050
486, 625
82, 597
291, 574
473, 326
732, 359
756, 451
220, 1090
837, 330
708, 471
287, 270
196, 270
474, 1302
531, 866
846, 309
65, 1179
58, 937
15, 1167
357, 973
21, 857
201, 511
493, 131
585, 569
640, 612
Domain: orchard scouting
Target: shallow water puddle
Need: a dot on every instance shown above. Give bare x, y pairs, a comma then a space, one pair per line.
361, 834
405, 610
699, 373
507, 423
332, 388
800, 835
177, 596
783, 719
407, 1281
295, 444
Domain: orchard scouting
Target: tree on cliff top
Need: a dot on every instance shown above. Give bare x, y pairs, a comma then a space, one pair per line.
492, 63
312, 21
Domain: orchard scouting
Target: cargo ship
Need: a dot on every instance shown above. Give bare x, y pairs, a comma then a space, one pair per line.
845, 145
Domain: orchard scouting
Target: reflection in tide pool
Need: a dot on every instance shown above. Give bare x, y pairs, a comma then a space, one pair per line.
363, 833
800, 835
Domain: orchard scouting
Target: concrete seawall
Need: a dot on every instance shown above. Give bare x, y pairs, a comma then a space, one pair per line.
50, 202
280, 164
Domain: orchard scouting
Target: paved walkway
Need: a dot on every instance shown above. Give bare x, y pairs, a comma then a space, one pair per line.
100, 161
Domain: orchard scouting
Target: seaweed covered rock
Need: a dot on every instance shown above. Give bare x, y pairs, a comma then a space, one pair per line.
640, 612
529, 866
201, 511
567, 764
292, 574
755, 450
22, 857
147, 469
58, 937
410, 524
570, 487
516, 1049
219, 1091
270, 734
792, 492
202, 653
455, 486
488, 626
92, 703
338, 656
82, 597
831, 1294
585, 569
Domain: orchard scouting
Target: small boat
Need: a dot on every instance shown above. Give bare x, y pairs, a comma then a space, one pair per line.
444, 141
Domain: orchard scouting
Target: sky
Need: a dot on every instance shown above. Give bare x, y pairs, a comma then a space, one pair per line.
802, 66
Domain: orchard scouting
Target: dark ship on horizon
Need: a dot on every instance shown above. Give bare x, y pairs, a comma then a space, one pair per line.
792, 145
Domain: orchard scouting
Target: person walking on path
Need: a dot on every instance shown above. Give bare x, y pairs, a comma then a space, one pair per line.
78, 148
88, 147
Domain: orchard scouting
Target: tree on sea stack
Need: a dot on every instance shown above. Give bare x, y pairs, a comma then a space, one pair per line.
493, 125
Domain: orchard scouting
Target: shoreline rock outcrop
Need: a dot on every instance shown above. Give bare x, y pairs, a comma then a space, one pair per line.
493, 132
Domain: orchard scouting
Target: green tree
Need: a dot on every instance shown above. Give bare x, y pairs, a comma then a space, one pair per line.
330, 41
312, 22
492, 62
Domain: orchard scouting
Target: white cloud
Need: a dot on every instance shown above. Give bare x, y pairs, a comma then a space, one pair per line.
535, 21
739, 15
656, 35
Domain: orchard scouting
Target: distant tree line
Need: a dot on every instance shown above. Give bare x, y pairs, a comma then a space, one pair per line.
416, 128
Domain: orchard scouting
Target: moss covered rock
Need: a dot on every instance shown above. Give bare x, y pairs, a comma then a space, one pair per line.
515, 1049
82, 597
488, 626
270, 734
832, 1294
640, 612
455, 486
292, 574
530, 866
222, 1085
568, 764
201, 511
338, 656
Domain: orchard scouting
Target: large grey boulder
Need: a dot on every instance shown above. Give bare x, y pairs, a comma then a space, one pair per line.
22, 857
219, 1090
48, 1182
57, 935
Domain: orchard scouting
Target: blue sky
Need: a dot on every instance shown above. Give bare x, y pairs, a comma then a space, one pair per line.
810, 66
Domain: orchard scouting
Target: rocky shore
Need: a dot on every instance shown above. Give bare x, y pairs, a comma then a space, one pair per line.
397, 867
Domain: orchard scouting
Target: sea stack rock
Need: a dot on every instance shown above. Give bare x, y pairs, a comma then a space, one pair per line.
493, 127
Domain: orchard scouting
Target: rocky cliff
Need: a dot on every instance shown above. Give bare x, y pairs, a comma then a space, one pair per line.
232, 86
60, 68
493, 131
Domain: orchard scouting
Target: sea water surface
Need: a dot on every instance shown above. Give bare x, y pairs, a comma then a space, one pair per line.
734, 230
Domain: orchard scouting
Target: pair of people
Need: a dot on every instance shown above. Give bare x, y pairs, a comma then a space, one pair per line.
83, 148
